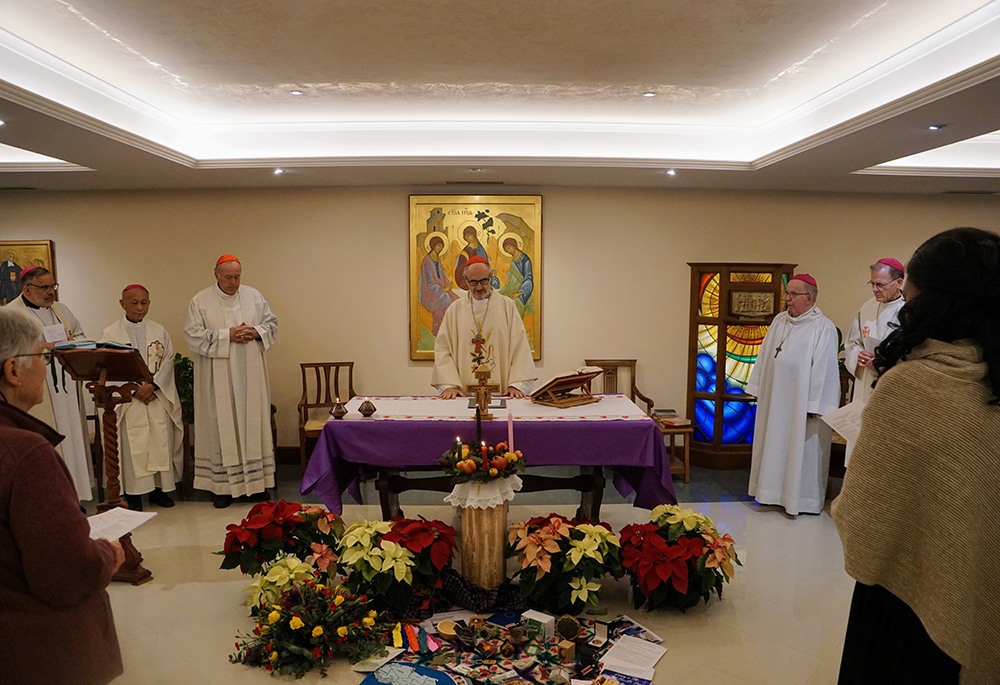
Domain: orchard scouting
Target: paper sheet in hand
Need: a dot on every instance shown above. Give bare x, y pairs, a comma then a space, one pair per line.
871, 343
54, 333
846, 420
632, 656
114, 523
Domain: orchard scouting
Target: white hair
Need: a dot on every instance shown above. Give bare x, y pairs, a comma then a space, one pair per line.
18, 335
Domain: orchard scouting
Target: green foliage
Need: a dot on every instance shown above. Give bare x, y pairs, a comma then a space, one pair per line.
184, 379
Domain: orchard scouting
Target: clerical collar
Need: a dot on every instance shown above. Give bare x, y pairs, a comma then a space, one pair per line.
29, 304
134, 323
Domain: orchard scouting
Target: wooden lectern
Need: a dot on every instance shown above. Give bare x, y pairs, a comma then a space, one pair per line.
98, 367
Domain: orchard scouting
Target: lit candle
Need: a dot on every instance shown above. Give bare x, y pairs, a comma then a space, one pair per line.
458, 447
485, 465
510, 431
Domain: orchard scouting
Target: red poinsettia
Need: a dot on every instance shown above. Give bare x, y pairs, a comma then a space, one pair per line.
417, 535
653, 560
273, 528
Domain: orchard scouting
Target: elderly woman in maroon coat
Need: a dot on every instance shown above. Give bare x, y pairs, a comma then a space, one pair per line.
55, 616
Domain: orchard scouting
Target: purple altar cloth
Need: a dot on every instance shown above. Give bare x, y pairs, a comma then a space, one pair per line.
348, 452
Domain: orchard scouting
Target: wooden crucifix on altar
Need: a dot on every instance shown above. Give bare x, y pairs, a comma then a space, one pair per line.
99, 367
483, 390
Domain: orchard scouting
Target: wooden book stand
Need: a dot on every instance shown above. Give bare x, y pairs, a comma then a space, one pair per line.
97, 367
557, 392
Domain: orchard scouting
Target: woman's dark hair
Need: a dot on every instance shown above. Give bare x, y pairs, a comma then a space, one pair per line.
957, 276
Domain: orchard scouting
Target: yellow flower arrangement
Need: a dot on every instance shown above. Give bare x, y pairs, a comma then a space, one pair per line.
342, 631
317, 631
273, 617
368, 621
295, 623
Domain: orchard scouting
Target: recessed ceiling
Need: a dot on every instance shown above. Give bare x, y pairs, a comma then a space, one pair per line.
188, 93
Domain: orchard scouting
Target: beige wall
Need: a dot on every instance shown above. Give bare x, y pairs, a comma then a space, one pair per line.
332, 264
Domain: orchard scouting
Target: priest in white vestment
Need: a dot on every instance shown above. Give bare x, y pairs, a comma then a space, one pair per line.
795, 380
484, 327
871, 325
62, 407
229, 328
150, 428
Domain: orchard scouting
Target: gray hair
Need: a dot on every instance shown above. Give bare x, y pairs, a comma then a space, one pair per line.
811, 289
219, 265
893, 271
18, 335
30, 277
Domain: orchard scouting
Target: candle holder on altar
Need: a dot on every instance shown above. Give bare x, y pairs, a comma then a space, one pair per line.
339, 411
367, 408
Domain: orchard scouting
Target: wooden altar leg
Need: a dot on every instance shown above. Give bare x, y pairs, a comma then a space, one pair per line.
590, 500
484, 532
132, 570
387, 498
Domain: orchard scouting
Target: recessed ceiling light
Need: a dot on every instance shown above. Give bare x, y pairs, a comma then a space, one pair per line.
2, 122
670, 172
475, 170
279, 172
295, 92
936, 127
649, 94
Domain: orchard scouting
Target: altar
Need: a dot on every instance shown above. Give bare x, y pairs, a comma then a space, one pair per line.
411, 433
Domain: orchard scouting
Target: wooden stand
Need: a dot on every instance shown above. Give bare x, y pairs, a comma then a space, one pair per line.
99, 367
558, 392
681, 464
484, 533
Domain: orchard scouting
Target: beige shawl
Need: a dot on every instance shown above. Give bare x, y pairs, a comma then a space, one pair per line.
919, 513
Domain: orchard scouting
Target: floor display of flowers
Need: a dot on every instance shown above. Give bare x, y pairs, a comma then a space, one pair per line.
323, 588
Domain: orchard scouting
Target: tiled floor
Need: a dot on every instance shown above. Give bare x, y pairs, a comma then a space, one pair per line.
781, 621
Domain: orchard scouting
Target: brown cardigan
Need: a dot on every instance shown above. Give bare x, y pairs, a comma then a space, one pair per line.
919, 513
55, 616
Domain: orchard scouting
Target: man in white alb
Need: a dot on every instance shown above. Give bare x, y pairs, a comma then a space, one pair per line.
150, 429
484, 327
795, 380
870, 326
229, 328
62, 406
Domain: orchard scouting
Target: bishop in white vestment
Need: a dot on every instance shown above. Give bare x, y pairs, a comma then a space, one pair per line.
871, 325
62, 407
150, 427
795, 380
229, 328
484, 327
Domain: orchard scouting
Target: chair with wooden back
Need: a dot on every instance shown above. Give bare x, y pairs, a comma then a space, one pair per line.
612, 372
322, 384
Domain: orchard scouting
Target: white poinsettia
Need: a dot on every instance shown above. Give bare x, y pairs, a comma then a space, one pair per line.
279, 576
360, 540
394, 558
582, 589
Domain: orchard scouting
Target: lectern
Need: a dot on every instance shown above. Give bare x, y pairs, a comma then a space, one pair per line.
97, 368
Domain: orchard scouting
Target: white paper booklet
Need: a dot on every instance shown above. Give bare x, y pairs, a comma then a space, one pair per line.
114, 523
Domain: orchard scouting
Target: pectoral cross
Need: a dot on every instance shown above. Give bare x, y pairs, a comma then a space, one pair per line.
478, 341
778, 350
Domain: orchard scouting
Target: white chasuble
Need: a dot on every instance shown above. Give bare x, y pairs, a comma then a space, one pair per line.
62, 405
870, 326
505, 344
150, 436
234, 454
795, 375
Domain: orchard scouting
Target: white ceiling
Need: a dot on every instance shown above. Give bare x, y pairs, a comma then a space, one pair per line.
752, 94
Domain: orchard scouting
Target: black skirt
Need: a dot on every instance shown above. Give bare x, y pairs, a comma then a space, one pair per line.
886, 644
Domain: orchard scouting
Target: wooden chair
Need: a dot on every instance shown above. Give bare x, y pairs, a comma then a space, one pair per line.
322, 384
612, 371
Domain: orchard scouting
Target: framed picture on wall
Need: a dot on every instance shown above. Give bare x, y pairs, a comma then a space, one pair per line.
445, 231
18, 254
